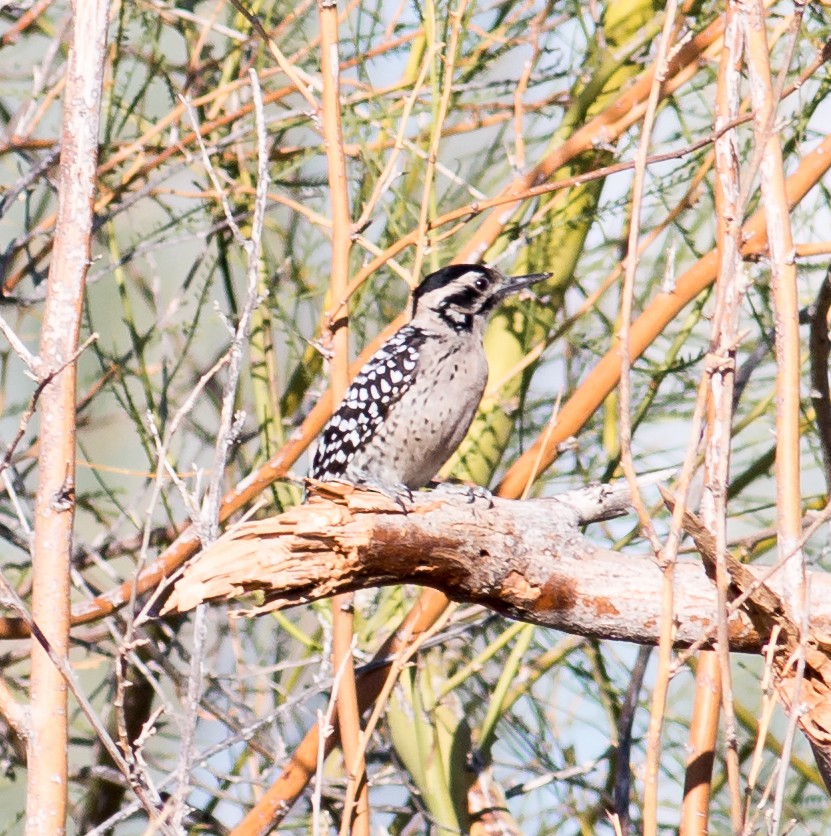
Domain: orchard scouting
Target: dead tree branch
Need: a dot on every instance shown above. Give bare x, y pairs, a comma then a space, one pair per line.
527, 560
809, 690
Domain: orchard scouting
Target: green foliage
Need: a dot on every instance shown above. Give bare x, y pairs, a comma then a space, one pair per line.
168, 280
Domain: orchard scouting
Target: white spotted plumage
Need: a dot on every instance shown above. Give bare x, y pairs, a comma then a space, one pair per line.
411, 405
388, 374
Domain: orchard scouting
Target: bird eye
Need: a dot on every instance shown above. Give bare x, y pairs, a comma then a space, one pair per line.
481, 283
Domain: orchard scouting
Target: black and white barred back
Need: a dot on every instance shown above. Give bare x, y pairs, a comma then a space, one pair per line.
411, 405
385, 378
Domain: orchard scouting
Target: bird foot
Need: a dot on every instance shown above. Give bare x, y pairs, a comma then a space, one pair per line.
400, 494
470, 492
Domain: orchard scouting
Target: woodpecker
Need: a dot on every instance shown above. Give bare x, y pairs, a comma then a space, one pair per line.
411, 405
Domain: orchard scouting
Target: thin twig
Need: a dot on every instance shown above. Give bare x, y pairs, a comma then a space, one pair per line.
437, 125
301, 80
31, 361
43, 381
384, 179
145, 795
337, 339
14, 713
769, 703
226, 433
625, 724
721, 371
324, 723
399, 661
788, 360
209, 168
625, 428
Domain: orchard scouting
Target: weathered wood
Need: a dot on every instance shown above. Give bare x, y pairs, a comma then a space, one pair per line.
528, 560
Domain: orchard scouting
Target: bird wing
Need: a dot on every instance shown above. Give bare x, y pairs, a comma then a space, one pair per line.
387, 375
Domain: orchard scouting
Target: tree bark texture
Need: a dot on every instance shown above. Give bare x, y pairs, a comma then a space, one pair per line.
55, 500
527, 560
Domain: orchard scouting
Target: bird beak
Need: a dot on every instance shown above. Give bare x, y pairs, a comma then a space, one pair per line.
516, 283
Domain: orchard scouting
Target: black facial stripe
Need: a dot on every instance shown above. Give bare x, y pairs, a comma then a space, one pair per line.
458, 321
443, 277
465, 299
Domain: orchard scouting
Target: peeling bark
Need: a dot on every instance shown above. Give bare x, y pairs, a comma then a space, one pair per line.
527, 560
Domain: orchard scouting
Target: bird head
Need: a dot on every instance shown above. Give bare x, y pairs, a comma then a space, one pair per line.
463, 295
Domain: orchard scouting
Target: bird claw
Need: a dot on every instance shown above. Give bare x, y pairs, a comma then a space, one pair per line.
470, 492
399, 493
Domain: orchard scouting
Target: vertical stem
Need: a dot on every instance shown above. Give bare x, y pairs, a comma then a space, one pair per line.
721, 372
440, 109
342, 613
701, 747
786, 309
55, 500
787, 347
650, 799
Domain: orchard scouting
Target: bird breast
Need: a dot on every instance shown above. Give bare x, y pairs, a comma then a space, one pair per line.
418, 439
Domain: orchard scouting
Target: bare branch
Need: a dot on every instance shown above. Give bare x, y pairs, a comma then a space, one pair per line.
46, 801
527, 560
